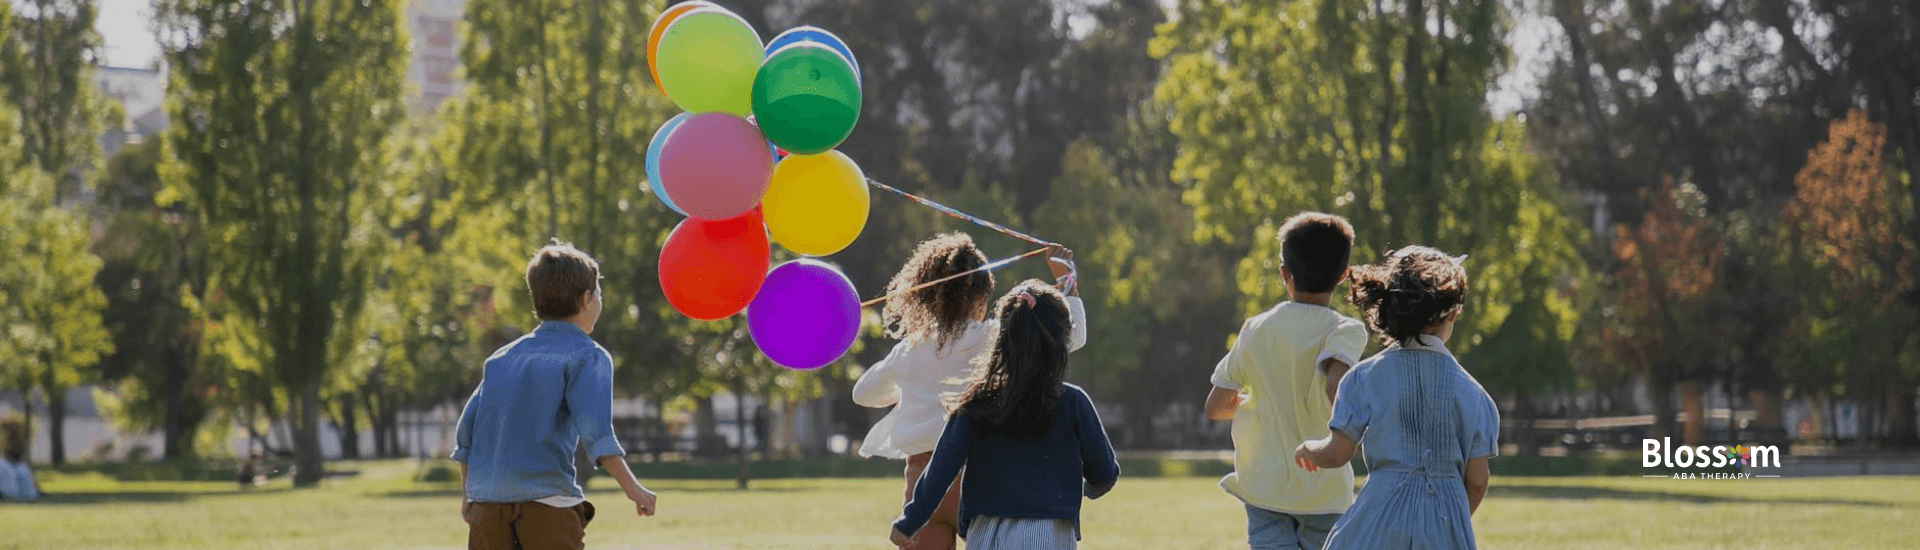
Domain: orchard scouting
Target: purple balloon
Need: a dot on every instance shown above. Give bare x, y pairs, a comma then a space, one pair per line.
716, 166
806, 315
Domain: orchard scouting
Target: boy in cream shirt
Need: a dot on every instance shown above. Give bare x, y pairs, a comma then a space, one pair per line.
1277, 386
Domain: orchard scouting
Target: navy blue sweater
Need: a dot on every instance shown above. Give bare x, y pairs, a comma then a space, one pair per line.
1018, 478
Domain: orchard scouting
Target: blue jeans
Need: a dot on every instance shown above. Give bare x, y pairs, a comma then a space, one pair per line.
1270, 530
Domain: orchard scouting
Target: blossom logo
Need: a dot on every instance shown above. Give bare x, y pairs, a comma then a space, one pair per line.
1741, 457
1662, 453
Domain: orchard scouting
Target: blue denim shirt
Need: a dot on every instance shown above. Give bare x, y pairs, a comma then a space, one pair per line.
540, 396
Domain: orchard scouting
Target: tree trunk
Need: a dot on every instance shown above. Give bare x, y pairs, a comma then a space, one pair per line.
349, 428
254, 441
1829, 426
1694, 404
1523, 410
1766, 406
740, 426
657, 429
811, 436
311, 467
26, 414
706, 428
374, 424
176, 435
1863, 418
391, 414
1661, 388
57, 425
1900, 400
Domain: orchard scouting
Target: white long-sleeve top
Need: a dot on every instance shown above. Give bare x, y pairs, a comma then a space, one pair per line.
914, 376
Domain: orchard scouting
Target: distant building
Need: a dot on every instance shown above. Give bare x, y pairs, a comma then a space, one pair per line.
436, 51
140, 93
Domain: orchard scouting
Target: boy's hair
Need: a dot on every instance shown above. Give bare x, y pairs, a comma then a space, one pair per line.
1314, 247
939, 312
1409, 290
1019, 378
557, 275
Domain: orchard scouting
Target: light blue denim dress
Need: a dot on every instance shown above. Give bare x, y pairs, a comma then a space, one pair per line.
1418, 417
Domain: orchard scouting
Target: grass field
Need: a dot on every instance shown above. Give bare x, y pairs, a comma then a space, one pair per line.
383, 508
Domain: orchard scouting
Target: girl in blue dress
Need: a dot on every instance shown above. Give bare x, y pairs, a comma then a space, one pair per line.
1427, 425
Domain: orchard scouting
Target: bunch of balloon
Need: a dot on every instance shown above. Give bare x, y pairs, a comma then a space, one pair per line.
752, 161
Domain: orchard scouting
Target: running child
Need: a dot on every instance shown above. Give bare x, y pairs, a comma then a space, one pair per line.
1277, 385
540, 396
1428, 426
941, 329
1032, 444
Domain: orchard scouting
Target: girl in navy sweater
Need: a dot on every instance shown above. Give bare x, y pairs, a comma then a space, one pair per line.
1032, 444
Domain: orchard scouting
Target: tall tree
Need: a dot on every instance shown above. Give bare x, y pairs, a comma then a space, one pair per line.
1844, 225
283, 114
1668, 268
153, 264
53, 313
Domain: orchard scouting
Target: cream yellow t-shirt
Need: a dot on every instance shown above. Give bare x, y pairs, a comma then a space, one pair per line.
1276, 363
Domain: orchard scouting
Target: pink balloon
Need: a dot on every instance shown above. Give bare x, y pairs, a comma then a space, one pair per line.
716, 166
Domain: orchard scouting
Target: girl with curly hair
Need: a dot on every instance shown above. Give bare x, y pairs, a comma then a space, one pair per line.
1031, 443
941, 329
1428, 426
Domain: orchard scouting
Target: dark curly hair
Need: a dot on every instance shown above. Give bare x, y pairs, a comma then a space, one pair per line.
1411, 289
939, 313
1020, 377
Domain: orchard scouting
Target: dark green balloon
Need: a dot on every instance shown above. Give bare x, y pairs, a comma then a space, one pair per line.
806, 99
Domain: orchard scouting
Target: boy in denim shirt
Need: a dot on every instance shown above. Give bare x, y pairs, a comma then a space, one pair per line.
541, 395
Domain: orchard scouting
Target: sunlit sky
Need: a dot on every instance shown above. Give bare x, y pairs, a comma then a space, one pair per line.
126, 27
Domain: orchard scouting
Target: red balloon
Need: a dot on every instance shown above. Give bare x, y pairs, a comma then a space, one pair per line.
711, 269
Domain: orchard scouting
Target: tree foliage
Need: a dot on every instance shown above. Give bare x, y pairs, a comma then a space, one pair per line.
50, 119
283, 111
1844, 226
152, 265
1379, 116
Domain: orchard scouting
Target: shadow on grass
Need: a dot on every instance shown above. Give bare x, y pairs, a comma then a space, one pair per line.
145, 497
1592, 493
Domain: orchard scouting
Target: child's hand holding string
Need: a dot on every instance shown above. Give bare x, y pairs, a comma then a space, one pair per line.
1066, 275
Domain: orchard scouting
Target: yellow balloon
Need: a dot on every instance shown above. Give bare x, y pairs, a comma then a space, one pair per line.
816, 204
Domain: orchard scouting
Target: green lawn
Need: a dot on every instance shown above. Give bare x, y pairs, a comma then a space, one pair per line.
381, 508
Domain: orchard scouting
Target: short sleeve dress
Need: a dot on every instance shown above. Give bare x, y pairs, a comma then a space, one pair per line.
1418, 417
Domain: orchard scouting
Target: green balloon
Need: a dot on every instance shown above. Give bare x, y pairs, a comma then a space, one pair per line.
806, 98
707, 60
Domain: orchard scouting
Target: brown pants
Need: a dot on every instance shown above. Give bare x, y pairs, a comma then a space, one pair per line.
939, 532
527, 526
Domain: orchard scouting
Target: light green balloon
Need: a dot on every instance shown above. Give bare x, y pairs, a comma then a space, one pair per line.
708, 59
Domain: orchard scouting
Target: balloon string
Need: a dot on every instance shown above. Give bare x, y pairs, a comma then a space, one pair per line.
950, 211
997, 264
